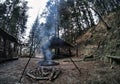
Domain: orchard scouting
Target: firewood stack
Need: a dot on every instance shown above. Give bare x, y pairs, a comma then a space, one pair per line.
44, 73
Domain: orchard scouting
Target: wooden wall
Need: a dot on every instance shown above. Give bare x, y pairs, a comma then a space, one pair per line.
8, 49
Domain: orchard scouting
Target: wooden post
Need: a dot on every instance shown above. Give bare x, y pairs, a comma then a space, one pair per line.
70, 52
77, 51
4, 47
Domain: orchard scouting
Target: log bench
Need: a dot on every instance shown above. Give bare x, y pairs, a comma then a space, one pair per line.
114, 59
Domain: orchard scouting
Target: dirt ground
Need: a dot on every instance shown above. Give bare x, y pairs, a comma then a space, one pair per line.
92, 72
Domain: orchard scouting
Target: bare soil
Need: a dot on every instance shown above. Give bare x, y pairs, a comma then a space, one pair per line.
92, 72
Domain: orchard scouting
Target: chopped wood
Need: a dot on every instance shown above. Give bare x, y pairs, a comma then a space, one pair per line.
56, 75
44, 73
51, 75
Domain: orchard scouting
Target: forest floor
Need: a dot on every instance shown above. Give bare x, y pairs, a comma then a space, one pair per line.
92, 72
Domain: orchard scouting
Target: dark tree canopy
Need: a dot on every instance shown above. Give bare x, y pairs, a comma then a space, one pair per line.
68, 19
76, 16
13, 16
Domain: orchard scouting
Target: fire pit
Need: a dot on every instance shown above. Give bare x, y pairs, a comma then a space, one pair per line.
46, 70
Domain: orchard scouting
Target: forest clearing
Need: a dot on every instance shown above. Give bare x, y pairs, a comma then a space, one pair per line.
67, 42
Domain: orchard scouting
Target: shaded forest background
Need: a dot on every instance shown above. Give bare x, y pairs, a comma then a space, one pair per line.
74, 18
13, 17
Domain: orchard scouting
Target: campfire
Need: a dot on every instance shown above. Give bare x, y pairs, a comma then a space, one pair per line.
47, 68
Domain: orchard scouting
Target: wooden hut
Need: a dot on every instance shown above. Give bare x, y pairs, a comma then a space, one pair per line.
8, 46
60, 47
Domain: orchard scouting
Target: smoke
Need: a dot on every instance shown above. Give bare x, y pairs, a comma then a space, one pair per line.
46, 51
48, 29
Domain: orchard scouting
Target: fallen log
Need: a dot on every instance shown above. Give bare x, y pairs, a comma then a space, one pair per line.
73, 60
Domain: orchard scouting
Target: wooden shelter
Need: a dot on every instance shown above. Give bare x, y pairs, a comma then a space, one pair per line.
8, 46
60, 47
59, 43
